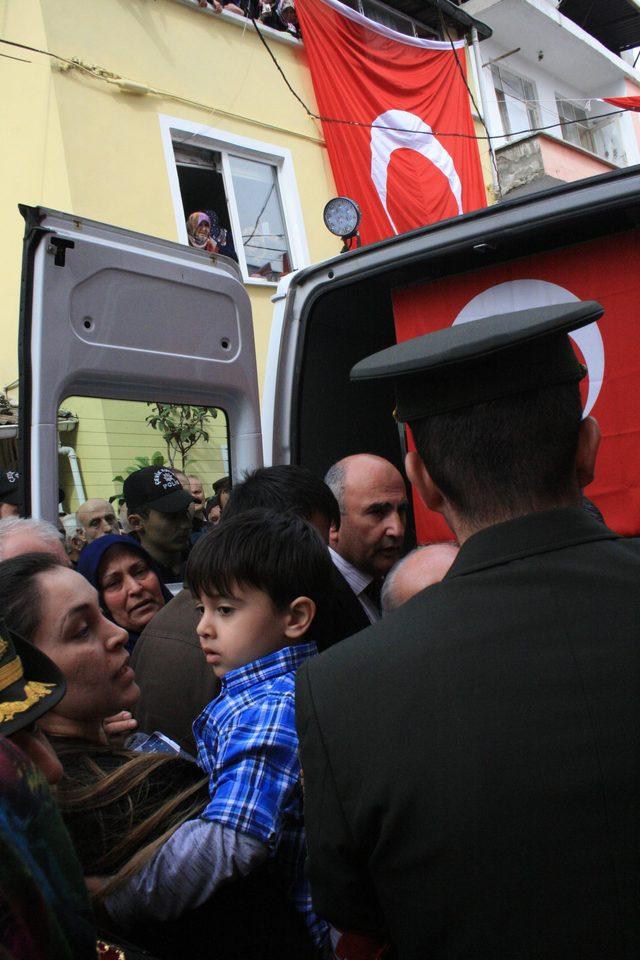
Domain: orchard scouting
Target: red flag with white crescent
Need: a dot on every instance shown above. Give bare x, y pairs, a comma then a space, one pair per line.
605, 270
396, 119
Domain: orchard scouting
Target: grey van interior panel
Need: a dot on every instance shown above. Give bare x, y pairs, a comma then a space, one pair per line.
120, 308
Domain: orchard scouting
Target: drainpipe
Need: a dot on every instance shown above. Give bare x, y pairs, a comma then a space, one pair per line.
75, 471
484, 104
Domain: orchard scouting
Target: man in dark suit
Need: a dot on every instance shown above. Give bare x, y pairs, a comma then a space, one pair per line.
365, 545
471, 771
176, 683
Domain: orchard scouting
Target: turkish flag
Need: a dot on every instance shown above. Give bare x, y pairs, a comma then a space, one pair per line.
396, 119
627, 103
605, 270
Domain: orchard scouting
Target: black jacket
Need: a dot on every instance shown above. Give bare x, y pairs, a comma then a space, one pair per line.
345, 614
472, 785
176, 682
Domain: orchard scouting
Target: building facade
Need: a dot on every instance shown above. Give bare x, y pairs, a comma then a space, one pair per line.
543, 78
139, 113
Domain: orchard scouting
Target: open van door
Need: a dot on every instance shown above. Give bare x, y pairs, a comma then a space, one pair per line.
107, 313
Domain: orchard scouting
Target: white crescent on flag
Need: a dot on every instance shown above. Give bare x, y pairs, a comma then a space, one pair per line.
525, 294
408, 132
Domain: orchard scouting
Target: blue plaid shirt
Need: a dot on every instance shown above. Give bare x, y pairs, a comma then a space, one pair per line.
248, 745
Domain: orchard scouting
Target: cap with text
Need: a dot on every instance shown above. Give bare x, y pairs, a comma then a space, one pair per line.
10, 487
156, 488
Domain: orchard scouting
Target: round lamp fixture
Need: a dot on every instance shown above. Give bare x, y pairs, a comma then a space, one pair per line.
342, 217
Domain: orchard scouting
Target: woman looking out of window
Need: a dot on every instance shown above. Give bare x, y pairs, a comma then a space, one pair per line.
199, 232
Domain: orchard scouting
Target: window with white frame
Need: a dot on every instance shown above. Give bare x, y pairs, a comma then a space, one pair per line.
576, 127
600, 135
516, 98
246, 189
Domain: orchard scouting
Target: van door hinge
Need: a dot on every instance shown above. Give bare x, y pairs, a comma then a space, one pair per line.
58, 246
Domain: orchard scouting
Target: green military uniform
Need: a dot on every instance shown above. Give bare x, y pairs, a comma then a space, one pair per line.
471, 768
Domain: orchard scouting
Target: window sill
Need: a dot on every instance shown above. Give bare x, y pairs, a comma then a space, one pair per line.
257, 282
233, 18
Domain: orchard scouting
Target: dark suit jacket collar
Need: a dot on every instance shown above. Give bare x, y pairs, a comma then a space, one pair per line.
526, 536
346, 601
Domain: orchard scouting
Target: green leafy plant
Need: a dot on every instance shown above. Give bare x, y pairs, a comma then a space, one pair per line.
155, 460
181, 426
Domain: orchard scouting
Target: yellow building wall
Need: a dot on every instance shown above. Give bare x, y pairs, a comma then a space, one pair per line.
78, 144
112, 433
75, 142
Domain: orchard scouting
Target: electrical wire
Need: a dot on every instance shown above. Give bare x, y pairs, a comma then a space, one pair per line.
6, 56
113, 79
473, 101
309, 112
435, 133
126, 85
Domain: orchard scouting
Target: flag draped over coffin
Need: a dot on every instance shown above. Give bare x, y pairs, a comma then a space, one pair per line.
396, 119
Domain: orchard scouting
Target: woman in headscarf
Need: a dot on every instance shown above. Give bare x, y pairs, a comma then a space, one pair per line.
129, 586
199, 232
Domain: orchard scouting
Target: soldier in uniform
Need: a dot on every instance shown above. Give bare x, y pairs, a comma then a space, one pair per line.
470, 762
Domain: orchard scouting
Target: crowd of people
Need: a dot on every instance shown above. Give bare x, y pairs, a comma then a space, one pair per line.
280, 15
238, 776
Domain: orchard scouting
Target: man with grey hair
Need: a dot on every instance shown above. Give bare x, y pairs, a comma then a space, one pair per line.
420, 569
373, 505
19, 535
96, 518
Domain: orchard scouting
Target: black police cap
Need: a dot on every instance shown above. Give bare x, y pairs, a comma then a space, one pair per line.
157, 488
10, 487
486, 359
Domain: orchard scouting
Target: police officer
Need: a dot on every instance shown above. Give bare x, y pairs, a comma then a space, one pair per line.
470, 762
10, 493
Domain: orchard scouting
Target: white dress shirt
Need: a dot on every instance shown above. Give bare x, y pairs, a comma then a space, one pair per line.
358, 581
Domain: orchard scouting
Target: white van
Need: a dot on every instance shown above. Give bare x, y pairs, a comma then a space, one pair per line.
113, 314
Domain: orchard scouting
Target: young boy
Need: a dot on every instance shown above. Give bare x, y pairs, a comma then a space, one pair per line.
259, 578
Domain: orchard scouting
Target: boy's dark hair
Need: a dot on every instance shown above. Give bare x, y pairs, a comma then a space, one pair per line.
286, 488
20, 596
280, 554
508, 456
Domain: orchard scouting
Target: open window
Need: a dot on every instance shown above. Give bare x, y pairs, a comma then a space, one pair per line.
517, 101
248, 191
584, 128
202, 189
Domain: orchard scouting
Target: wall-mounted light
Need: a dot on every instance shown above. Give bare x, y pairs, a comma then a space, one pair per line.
342, 217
